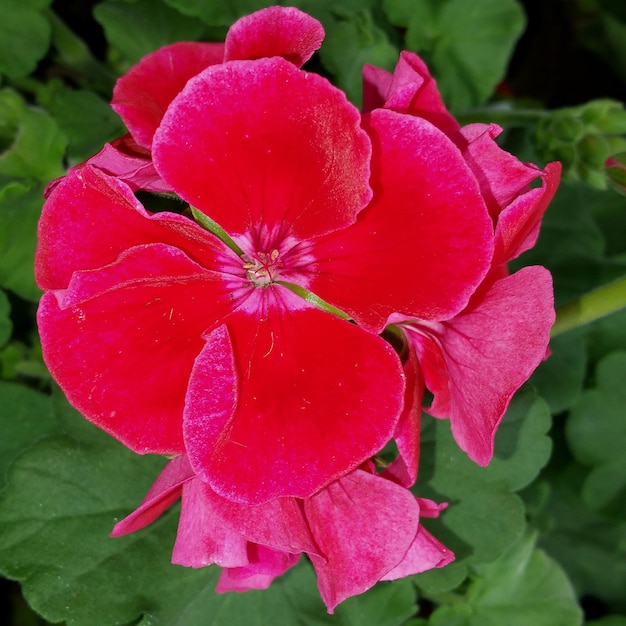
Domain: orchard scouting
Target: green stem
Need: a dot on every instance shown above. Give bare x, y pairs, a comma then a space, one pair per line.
213, 227
503, 117
590, 307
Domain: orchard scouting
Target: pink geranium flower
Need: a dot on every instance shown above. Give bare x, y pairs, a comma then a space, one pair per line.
234, 346
474, 361
358, 530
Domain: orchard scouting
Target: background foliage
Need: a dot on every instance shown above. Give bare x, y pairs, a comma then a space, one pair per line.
540, 535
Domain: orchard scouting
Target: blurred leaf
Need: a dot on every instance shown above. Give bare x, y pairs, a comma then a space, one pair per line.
33, 144
24, 36
467, 45
609, 620
591, 548
524, 586
87, 121
559, 379
352, 40
220, 12
154, 25
596, 434
484, 517
20, 207
25, 417
6, 326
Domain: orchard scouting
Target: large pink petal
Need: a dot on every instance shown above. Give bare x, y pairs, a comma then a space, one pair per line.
106, 219
264, 566
275, 31
142, 95
364, 526
164, 492
485, 354
121, 341
425, 242
517, 228
261, 143
317, 396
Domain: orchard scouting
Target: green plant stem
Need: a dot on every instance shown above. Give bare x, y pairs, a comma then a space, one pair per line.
590, 307
502, 116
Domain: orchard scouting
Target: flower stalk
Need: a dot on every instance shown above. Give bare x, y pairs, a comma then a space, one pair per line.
592, 306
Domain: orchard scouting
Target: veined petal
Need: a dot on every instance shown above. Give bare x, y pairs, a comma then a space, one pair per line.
121, 341
106, 219
264, 566
263, 144
518, 224
203, 536
274, 31
164, 492
424, 243
142, 95
502, 177
485, 354
316, 397
364, 526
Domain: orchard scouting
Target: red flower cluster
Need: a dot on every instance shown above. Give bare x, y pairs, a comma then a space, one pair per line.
256, 315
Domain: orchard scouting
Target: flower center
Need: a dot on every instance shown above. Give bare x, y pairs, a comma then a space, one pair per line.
263, 268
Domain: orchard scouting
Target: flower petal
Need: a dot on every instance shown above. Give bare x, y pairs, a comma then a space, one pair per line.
163, 493
261, 143
265, 565
518, 224
317, 396
425, 242
106, 219
485, 354
203, 536
121, 341
142, 95
364, 526
274, 31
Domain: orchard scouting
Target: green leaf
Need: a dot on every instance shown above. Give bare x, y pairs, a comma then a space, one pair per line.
353, 38
609, 620
484, 516
87, 121
24, 36
559, 379
154, 25
467, 46
6, 326
25, 417
591, 548
218, 12
33, 144
524, 586
596, 433
20, 207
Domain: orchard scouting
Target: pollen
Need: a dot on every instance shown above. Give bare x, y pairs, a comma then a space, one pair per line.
262, 269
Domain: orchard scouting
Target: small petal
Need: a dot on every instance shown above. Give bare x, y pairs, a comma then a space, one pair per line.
142, 95
275, 31
163, 493
264, 566
261, 143
316, 397
204, 537
364, 526
424, 243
